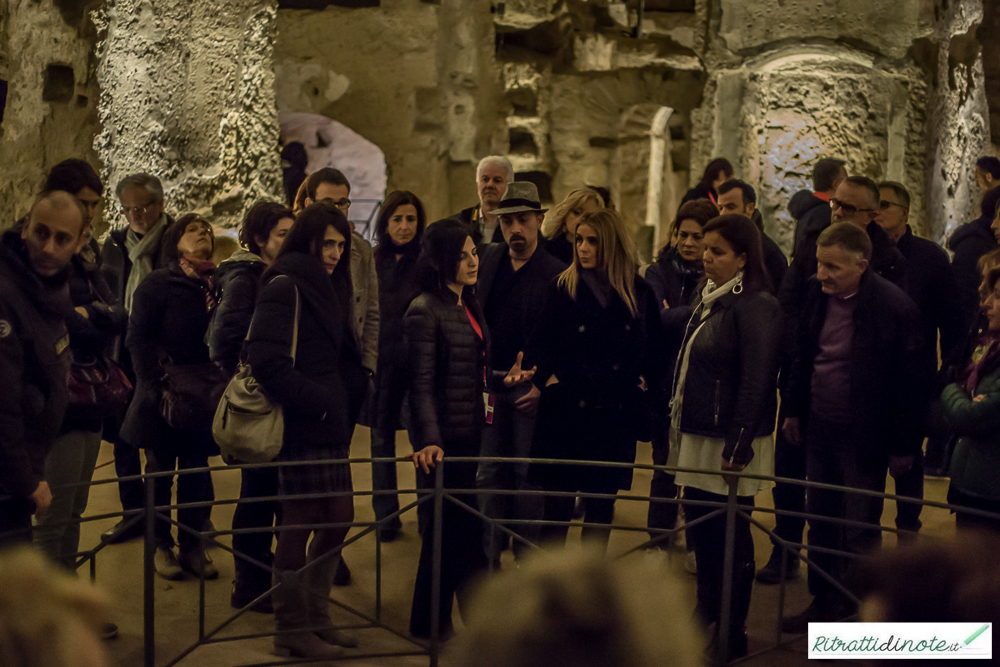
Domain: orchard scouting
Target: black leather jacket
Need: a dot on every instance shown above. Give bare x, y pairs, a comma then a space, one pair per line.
731, 381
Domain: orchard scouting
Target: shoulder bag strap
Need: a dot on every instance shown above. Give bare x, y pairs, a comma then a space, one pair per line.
295, 326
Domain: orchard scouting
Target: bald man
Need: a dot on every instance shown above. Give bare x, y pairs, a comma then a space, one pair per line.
34, 353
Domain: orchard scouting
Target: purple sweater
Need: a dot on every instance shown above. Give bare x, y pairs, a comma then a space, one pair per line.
831, 379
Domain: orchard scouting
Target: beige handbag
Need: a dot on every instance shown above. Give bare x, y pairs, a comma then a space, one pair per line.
248, 426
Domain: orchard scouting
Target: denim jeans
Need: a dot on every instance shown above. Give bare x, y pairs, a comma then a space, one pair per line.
509, 435
191, 488
70, 461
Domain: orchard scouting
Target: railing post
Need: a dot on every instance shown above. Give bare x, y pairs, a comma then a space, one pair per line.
436, 563
149, 549
726, 609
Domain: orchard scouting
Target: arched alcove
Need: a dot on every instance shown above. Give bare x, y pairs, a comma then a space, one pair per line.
333, 144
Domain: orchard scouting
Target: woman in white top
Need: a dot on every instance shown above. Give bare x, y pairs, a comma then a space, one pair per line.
723, 409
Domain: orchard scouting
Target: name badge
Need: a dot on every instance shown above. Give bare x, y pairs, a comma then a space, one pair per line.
62, 344
489, 402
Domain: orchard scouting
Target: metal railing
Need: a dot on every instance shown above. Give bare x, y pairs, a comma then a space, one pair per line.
438, 495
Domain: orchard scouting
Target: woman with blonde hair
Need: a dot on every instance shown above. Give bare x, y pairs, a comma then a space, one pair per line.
560, 225
596, 346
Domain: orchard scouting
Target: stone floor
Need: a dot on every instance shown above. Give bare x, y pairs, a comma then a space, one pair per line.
119, 571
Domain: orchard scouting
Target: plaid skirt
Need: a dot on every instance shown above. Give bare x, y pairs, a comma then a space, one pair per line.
317, 477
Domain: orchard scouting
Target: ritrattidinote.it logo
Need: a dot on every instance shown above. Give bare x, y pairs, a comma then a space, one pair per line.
887, 641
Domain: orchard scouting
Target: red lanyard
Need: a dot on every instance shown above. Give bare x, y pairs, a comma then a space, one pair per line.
474, 323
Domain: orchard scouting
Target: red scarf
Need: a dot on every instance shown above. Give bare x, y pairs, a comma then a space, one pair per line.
201, 269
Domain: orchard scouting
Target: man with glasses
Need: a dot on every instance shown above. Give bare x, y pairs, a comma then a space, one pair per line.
932, 286
331, 186
129, 255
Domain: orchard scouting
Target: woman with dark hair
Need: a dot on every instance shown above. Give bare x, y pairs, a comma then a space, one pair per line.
294, 159
171, 311
398, 232
723, 409
316, 388
597, 344
675, 277
447, 343
971, 407
716, 173
261, 236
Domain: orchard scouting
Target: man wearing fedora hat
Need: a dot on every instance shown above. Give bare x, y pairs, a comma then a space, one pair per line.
513, 277
493, 175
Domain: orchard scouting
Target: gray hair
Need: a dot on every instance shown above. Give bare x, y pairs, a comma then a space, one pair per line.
850, 237
898, 189
151, 184
498, 160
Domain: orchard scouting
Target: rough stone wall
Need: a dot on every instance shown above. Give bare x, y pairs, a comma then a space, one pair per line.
45, 56
187, 94
415, 78
958, 129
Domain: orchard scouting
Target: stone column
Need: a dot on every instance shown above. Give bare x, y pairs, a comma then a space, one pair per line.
187, 94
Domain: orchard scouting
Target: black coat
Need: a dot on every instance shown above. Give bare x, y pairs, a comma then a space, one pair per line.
115, 263
774, 259
470, 216
970, 242
886, 345
320, 389
397, 287
94, 334
535, 276
34, 366
448, 364
811, 214
169, 321
731, 381
700, 192
238, 280
560, 247
931, 284
674, 280
595, 410
887, 261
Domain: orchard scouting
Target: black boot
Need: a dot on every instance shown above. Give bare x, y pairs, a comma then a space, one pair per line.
772, 572
250, 583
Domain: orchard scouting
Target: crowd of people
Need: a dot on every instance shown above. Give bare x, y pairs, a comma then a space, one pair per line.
503, 331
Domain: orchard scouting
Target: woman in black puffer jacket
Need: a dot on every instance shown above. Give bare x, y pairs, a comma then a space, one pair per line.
262, 235
171, 311
317, 391
723, 409
447, 340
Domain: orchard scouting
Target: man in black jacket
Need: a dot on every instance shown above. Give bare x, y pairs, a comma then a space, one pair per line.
974, 239
931, 284
513, 278
852, 402
34, 353
493, 175
736, 196
856, 202
811, 209
129, 255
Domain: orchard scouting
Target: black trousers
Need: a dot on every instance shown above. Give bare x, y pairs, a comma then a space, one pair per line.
834, 457
462, 557
191, 488
710, 551
560, 508
789, 461
128, 464
15, 521
661, 515
255, 483
911, 485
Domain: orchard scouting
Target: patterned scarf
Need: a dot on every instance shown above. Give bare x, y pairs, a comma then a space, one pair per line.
986, 351
201, 269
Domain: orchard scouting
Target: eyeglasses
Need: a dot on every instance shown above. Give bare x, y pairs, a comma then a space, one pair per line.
885, 204
847, 208
135, 210
342, 204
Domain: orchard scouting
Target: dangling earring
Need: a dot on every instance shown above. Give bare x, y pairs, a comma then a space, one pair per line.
738, 287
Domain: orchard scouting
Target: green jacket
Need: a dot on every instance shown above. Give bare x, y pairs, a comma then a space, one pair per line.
975, 463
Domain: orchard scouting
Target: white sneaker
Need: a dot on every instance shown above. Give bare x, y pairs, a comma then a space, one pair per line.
691, 564
656, 557
166, 564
